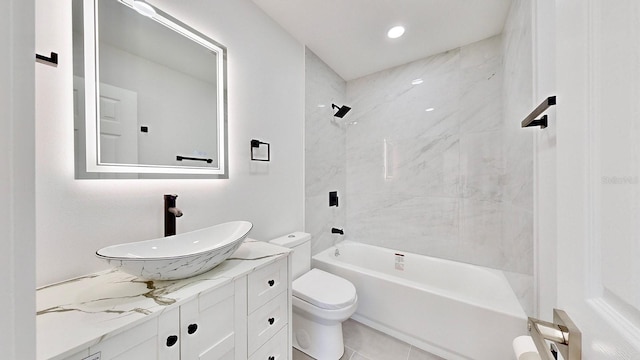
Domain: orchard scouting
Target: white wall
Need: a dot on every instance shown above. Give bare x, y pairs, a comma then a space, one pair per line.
545, 205
17, 179
266, 102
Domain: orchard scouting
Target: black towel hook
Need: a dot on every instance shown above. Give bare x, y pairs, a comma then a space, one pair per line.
52, 60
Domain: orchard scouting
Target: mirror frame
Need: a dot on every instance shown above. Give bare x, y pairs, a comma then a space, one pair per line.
92, 103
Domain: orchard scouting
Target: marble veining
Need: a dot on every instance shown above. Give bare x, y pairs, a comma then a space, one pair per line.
78, 313
178, 256
174, 269
431, 182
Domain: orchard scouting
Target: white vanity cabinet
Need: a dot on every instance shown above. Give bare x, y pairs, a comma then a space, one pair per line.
202, 328
238, 311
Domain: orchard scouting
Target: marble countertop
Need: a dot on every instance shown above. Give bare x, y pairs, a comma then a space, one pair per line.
78, 313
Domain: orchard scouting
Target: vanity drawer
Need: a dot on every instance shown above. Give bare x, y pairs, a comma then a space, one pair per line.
267, 321
275, 349
266, 283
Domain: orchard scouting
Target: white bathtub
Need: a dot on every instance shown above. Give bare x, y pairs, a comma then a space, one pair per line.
451, 309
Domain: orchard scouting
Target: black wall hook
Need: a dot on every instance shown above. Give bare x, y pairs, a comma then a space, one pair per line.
52, 60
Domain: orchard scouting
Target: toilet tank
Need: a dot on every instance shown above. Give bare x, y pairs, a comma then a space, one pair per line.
300, 243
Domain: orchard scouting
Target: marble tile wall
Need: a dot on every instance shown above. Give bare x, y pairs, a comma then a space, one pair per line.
517, 202
325, 153
430, 182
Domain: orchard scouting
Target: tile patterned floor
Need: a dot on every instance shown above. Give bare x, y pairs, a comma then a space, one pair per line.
364, 343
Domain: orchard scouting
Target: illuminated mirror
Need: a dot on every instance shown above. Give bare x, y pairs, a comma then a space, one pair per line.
149, 94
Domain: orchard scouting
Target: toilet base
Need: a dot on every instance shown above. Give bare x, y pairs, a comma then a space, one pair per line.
322, 341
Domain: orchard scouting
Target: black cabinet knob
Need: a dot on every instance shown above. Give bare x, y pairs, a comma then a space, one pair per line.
272, 358
271, 282
172, 340
271, 321
191, 329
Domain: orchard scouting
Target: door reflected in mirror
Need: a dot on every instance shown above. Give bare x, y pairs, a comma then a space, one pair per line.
149, 95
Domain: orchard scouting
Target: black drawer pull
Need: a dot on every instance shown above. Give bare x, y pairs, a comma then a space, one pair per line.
272, 358
271, 282
271, 321
172, 340
191, 329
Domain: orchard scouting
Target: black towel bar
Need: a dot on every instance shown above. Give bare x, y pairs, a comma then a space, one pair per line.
542, 122
180, 158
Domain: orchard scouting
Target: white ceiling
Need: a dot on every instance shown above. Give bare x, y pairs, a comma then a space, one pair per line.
350, 35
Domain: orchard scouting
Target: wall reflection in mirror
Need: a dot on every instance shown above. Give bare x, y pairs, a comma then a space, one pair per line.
149, 94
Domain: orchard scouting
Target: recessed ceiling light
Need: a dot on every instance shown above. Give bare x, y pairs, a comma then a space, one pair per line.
144, 9
429, 109
417, 81
395, 32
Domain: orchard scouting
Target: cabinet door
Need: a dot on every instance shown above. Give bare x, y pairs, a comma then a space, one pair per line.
169, 335
207, 326
135, 344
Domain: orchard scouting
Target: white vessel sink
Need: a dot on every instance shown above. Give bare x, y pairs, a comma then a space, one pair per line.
178, 256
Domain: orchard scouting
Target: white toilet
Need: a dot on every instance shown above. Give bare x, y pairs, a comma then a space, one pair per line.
321, 302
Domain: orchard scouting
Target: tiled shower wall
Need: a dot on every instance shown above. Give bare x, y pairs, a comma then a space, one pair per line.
325, 154
430, 182
517, 199
453, 182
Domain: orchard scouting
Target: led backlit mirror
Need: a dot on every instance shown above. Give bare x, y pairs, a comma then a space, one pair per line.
149, 94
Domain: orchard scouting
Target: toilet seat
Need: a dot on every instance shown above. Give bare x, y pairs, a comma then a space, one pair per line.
324, 290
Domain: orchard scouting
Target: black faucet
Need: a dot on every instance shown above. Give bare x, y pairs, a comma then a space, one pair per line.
171, 212
337, 231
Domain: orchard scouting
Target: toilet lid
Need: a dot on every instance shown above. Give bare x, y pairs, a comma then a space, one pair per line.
324, 290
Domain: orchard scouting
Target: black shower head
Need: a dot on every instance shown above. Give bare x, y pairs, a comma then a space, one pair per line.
342, 110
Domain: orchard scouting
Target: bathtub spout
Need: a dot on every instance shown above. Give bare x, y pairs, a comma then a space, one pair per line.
337, 231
